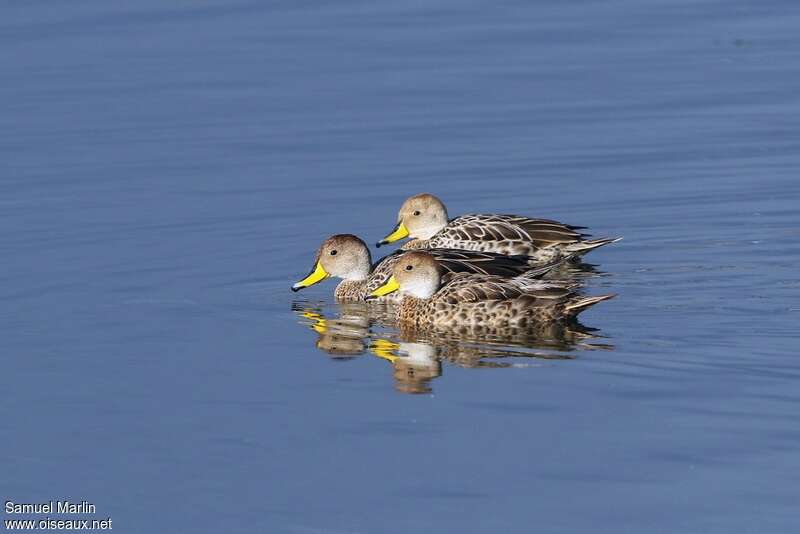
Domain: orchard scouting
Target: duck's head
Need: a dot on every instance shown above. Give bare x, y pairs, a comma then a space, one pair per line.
415, 273
420, 217
342, 256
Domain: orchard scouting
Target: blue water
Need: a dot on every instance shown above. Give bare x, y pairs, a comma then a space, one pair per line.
168, 171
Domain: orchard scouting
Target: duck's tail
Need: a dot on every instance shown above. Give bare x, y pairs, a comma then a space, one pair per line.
574, 308
582, 247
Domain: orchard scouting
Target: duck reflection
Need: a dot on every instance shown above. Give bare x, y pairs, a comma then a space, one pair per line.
417, 357
342, 337
562, 336
574, 270
414, 364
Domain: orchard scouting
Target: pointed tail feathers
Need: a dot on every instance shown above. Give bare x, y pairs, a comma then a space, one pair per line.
574, 308
582, 247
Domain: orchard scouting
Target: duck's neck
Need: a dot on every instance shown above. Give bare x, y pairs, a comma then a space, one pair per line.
416, 244
350, 290
358, 275
359, 269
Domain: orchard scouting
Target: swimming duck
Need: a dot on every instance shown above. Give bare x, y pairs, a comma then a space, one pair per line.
423, 218
347, 257
475, 299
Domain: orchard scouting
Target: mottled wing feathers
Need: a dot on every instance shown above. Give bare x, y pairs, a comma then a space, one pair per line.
464, 287
455, 261
509, 228
468, 288
486, 263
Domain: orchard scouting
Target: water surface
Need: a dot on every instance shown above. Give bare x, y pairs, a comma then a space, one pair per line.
167, 171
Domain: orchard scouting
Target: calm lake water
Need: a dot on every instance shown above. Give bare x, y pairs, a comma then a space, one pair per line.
168, 171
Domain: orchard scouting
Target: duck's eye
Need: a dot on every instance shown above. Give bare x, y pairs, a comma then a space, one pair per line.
409, 267
416, 213
334, 252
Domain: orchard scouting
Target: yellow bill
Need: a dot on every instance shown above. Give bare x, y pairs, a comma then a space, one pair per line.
400, 231
314, 277
390, 286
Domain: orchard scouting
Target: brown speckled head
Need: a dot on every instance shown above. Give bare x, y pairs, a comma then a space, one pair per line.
345, 256
423, 215
418, 274
342, 256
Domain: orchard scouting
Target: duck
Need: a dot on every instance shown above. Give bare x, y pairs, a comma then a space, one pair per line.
477, 300
423, 218
347, 256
